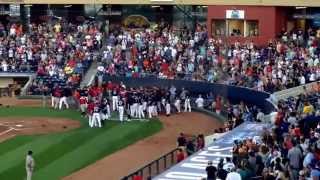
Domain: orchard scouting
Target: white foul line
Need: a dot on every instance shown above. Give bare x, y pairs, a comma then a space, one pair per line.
5, 132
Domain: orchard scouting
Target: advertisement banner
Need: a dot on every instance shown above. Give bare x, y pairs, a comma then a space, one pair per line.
235, 14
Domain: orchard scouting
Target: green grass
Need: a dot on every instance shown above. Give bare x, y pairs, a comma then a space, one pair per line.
59, 154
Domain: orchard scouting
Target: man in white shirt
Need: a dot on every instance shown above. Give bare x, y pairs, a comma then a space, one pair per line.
29, 165
199, 101
260, 116
302, 80
4, 66
229, 165
292, 118
233, 175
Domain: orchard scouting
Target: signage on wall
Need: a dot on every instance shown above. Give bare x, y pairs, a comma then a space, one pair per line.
110, 12
235, 14
14, 10
306, 16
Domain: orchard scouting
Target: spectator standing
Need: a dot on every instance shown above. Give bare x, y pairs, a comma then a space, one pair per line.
190, 148
180, 155
137, 177
295, 157
200, 142
199, 102
233, 175
260, 116
315, 171
211, 171
182, 141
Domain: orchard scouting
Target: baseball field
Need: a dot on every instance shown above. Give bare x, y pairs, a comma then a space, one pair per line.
61, 141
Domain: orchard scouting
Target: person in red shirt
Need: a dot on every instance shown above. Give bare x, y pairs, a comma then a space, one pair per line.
137, 177
180, 155
83, 101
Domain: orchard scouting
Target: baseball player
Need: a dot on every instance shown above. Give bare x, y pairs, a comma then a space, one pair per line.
130, 105
53, 96
96, 119
105, 112
150, 109
135, 106
56, 97
163, 104
115, 100
177, 104
168, 108
30, 163
63, 99
187, 105
144, 103
121, 110
154, 109
140, 110
90, 109
83, 101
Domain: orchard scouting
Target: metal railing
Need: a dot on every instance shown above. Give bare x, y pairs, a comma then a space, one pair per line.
155, 167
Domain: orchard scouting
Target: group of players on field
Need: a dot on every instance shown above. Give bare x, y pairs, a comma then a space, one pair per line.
98, 103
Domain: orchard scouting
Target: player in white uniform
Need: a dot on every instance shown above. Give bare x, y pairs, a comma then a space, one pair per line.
105, 112
177, 104
140, 110
134, 107
96, 118
187, 105
168, 108
154, 109
163, 104
150, 109
115, 100
30, 163
121, 110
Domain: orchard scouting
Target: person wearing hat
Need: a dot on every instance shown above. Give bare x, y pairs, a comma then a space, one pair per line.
211, 171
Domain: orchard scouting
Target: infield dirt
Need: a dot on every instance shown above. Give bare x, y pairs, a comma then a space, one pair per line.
11, 127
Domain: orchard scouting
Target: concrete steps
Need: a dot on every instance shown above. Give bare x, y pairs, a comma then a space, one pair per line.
89, 76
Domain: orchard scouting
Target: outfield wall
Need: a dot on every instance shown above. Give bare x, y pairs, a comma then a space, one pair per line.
233, 93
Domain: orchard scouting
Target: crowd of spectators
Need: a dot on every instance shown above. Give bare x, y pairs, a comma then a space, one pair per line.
288, 151
289, 61
63, 51
58, 52
166, 52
